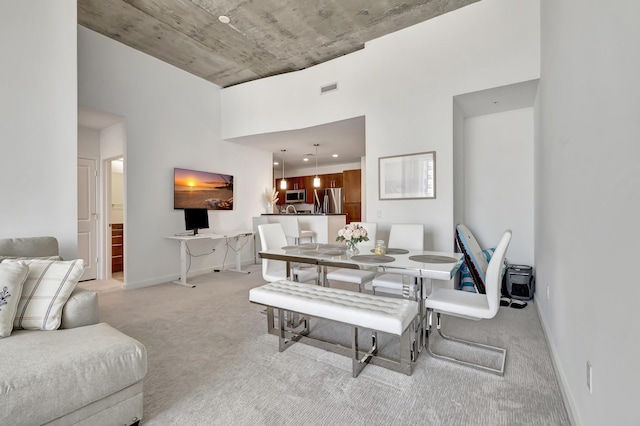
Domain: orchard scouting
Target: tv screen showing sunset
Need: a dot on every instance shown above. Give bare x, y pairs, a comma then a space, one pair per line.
202, 190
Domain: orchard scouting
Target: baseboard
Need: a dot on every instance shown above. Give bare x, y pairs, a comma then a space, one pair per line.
192, 273
569, 403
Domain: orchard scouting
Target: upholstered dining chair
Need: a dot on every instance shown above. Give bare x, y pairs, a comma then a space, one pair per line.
358, 276
292, 229
474, 306
272, 237
401, 236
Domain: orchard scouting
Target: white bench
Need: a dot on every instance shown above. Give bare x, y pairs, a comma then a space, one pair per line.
359, 310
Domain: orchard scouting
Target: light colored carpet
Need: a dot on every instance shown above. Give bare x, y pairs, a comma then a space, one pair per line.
211, 362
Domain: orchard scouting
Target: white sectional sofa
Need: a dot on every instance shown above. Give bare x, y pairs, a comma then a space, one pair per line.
83, 373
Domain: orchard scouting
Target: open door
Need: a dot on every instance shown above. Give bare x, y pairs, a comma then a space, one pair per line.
87, 218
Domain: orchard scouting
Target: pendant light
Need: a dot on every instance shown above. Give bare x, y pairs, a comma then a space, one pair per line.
283, 182
316, 180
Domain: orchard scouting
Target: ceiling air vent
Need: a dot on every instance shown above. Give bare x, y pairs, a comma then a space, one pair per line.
328, 88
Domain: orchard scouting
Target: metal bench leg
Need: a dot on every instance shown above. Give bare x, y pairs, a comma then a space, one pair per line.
408, 350
283, 342
358, 364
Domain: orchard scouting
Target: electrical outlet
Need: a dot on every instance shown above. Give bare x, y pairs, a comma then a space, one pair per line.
379, 214
548, 292
589, 377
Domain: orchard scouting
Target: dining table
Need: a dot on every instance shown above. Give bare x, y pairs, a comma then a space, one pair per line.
417, 267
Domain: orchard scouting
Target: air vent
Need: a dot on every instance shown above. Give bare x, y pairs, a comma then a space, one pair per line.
328, 88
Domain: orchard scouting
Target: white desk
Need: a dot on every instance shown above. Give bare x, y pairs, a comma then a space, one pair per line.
184, 239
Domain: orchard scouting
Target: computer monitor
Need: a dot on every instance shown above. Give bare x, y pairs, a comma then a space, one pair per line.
195, 219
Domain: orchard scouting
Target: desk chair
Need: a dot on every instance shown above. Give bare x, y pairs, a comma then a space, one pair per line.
292, 229
358, 276
405, 236
475, 306
272, 237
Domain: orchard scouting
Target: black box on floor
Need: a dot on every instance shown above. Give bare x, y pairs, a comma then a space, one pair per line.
519, 282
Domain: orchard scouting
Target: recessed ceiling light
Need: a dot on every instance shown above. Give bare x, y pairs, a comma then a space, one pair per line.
275, 163
305, 159
224, 19
335, 155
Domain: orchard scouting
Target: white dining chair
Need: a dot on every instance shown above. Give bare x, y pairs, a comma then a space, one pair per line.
358, 276
257, 246
292, 229
474, 306
401, 236
272, 237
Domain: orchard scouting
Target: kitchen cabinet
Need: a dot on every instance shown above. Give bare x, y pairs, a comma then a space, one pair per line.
308, 185
352, 211
296, 182
281, 194
351, 182
331, 180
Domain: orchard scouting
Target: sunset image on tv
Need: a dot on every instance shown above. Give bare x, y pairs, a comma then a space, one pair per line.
202, 190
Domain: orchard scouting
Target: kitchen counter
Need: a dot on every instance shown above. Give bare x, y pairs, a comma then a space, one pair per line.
325, 226
303, 214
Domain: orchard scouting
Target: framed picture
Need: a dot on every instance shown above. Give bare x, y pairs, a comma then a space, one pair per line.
193, 189
407, 177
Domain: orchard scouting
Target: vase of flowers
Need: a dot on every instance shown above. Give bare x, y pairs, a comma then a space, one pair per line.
271, 197
352, 234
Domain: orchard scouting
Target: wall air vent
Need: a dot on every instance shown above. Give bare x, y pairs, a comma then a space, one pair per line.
328, 88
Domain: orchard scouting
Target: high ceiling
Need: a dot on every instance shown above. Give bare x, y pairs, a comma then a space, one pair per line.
261, 39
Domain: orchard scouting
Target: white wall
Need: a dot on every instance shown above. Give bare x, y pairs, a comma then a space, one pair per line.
498, 180
588, 202
117, 197
308, 171
38, 121
404, 84
88, 143
172, 120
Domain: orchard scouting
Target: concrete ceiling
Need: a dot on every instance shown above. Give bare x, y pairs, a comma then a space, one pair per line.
262, 38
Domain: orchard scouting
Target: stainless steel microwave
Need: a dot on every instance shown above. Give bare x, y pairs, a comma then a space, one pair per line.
296, 196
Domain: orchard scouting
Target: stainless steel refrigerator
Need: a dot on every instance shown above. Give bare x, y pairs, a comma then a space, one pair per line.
328, 200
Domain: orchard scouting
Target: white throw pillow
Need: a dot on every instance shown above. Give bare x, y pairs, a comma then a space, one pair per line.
12, 276
45, 291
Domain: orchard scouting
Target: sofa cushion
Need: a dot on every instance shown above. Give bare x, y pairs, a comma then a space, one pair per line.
12, 276
45, 375
29, 258
29, 246
46, 289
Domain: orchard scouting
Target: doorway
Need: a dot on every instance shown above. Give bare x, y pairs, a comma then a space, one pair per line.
101, 139
115, 205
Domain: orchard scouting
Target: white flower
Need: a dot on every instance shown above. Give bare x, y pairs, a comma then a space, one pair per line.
353, 233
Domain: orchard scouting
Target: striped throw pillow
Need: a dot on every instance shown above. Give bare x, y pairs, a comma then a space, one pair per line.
46, 289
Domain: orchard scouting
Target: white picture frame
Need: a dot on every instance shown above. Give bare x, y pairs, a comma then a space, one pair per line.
407, 177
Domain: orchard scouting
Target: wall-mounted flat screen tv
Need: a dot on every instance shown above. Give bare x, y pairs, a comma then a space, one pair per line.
193, 189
